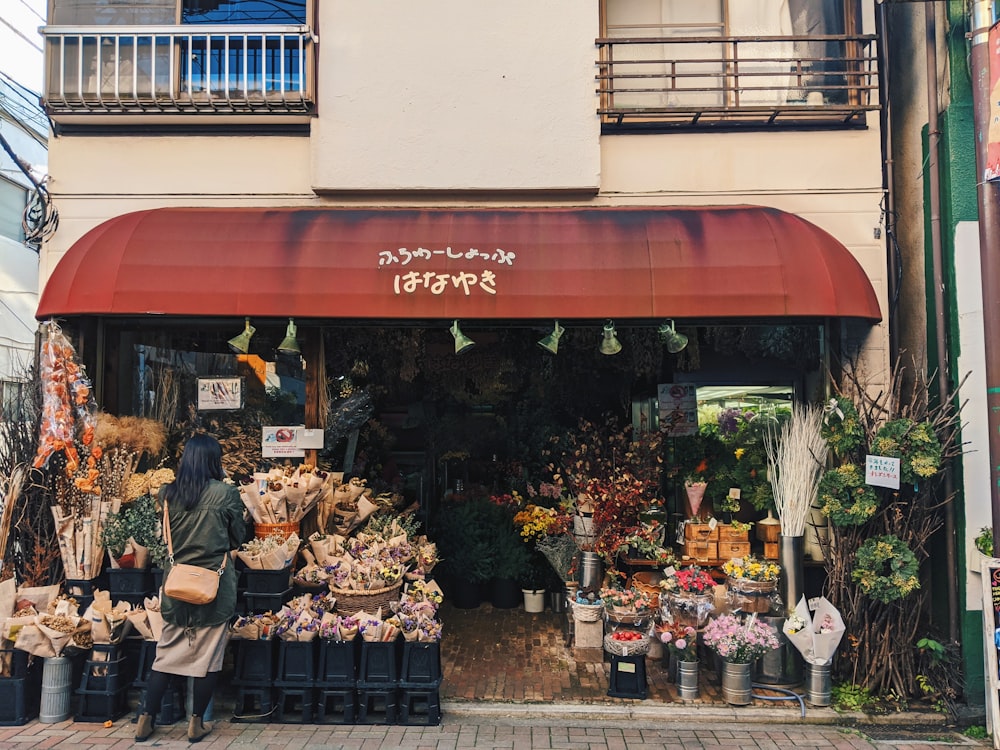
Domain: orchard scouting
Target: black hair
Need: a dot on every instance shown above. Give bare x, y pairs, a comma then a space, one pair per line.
200, 463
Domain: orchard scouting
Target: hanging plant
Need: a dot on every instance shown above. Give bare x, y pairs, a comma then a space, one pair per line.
845, 498
885, 569
914, 443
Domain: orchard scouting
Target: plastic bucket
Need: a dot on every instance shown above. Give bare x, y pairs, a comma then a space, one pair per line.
57, 689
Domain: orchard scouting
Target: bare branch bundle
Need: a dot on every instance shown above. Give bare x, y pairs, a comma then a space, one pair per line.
795, 460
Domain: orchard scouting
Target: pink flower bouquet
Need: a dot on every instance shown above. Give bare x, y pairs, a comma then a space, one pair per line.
740, 642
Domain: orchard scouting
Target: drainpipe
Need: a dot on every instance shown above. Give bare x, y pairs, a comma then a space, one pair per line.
980, 20
941, 341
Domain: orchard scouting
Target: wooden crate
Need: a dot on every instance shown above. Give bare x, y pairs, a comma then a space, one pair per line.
768, 532
771, 550
701, 551
728, 534
701, 532
730, 550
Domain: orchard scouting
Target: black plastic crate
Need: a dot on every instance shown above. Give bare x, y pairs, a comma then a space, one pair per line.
628, 676
254, 662
100, 706
267, 581
378, 705
128, 582
421, 663
260, 603
295, 705
420, 707
253, 703
106, 671
20, 695
379, 664
336, 705
82, 591
147, 655
338, 663
296, 662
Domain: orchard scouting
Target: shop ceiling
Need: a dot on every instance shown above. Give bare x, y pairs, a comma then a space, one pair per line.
519, 264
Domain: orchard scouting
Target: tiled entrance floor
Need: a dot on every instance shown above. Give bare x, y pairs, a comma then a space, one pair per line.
508, 655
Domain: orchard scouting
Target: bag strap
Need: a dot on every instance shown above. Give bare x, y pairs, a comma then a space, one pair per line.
170, 545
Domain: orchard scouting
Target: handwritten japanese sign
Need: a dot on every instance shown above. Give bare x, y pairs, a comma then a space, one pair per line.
882, 471
479, 277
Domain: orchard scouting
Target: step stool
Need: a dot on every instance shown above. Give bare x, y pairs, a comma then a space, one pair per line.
253, 703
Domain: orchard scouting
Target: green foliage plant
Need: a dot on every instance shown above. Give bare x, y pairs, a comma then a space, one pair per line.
849, 697
984, 542
886, 569
845, 498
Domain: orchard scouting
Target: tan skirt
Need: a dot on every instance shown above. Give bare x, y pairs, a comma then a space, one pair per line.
191, 653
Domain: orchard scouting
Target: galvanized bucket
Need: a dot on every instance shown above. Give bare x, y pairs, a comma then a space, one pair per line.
818, 684
687, 679
57, 689
736, 684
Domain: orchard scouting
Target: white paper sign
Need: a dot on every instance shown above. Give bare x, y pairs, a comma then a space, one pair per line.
220, 393
882, 471
281, 442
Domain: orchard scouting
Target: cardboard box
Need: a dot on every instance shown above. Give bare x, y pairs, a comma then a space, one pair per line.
770, 550
701, 551
728, 534
730, 550
702, 532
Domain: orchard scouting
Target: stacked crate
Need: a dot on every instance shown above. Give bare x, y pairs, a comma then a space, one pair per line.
337, 682
295, 681
732, 544
701, 542
20, 691
378, 682
420, 683
104, 685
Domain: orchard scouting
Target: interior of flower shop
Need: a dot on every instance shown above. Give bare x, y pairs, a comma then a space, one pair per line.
557, 510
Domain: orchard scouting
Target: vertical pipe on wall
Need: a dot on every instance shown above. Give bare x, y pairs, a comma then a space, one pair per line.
940, 338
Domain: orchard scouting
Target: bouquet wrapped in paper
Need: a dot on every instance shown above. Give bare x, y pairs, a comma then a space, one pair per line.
326, 547
818, 634
257, 627
352, 506
370, 561
109, 623
51, 632
338, 627
374, 629
270, 553
281, 496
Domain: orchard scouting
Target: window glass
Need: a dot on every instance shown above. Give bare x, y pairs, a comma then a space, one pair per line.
13, 199
244, 11
113, 12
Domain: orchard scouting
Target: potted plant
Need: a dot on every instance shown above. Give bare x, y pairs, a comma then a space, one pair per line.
461, 531
133, 538
682, 646
739, 645
510, 560
534, 581
751, 583
688, 596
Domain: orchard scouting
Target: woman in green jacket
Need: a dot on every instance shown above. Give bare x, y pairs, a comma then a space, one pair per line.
206, 524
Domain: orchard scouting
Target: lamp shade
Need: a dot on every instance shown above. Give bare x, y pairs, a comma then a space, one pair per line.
290, 344
674, 341
550, 343
462, 342
241, 343
610, 344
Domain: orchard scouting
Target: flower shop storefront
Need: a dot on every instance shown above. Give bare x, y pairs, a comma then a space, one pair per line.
428, 359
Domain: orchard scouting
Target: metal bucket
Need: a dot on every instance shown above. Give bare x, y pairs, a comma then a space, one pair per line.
57, 689
687, 679
557, 601
591, 571
818, 684
781, 667
736, 684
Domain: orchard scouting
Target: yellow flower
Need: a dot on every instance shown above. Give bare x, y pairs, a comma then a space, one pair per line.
739, 453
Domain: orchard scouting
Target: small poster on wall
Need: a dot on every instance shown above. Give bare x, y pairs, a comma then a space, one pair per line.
678, 408
289, 441
220, 393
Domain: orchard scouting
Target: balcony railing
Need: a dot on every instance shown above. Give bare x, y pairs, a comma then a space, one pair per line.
179, 69
715, 80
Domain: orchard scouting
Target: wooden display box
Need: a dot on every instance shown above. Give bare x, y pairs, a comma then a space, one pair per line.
701, 532
768, 532
770, 550
731, 550
728, 534
701, 551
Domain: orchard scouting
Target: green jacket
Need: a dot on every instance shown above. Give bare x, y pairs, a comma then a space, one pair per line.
203, 536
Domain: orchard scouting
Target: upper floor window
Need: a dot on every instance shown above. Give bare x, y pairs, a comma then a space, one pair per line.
169, 56
754, 62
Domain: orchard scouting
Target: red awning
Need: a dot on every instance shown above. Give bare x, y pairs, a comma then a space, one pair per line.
692, 262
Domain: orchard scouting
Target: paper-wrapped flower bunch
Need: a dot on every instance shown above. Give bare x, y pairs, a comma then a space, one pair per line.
366, 561
286, 495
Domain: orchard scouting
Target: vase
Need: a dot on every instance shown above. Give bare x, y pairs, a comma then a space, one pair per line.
687, 679
791, 550
780, 667
685, 608
736, 684
750, 596
534, 600
695, 494
591, 571
583, 530
505, 593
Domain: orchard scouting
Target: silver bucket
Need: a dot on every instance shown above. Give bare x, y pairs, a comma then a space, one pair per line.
736, 684
818, 684
57, 689
687, 679
591, 571
557, 601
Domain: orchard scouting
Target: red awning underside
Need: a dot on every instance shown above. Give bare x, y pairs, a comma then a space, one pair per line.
698, 262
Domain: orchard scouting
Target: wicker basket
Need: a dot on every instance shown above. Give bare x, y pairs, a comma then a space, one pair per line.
587, 612
627, 618
352, 602
284, 530
648, 582
626, 648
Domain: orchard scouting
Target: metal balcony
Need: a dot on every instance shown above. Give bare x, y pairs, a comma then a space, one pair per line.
178, 70
713, 81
